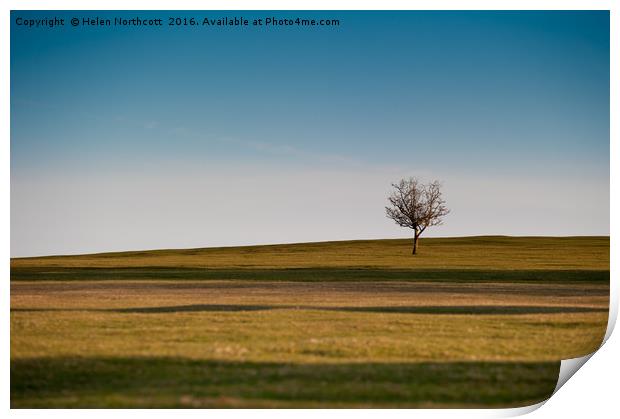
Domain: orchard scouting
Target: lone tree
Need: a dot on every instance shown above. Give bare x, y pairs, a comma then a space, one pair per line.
416, 206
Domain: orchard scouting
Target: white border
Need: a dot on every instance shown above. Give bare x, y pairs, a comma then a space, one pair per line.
593, 390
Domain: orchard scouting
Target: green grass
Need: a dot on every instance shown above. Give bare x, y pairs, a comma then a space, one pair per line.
479, 322
146, 382
308, 274
482, 253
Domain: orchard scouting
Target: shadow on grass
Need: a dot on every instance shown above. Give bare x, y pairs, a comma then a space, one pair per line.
372, 309
181, 382
310, 274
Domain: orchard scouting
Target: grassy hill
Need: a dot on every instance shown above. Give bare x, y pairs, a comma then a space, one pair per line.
468, 258
476, 322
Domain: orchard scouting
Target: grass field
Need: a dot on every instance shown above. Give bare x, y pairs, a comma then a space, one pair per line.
480, 322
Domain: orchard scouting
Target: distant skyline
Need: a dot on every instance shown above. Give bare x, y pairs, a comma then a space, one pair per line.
143, 138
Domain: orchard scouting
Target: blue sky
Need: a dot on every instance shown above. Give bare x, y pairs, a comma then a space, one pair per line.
125, 138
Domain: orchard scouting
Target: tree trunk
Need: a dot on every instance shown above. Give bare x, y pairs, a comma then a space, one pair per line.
415, 242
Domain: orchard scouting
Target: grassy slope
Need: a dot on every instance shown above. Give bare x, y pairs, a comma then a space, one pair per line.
485, 252
445, 339
451, 259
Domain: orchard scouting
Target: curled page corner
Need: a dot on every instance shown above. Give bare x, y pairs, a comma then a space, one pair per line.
613, 314
519, 411
568, 368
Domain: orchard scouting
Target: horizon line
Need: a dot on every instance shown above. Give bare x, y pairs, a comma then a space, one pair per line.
302, 242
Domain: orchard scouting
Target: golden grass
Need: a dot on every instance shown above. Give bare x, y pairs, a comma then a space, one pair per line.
308, 322
474, 322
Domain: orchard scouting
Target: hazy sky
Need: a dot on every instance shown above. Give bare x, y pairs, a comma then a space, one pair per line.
142, 138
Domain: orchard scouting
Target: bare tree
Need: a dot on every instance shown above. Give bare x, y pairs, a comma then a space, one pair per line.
416, 206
